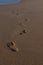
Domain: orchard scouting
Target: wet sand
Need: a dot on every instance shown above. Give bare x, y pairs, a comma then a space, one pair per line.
27, 15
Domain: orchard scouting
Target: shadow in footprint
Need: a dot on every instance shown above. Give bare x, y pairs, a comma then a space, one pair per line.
26, 19
12, 47
23, 32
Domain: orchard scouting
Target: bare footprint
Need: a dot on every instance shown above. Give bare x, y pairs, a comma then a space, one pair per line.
26, 19
23, 32
12, 46
20, 33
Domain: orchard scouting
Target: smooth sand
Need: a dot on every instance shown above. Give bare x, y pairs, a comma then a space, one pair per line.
27, 15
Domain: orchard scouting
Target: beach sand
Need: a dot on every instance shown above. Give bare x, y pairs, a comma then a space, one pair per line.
14, 19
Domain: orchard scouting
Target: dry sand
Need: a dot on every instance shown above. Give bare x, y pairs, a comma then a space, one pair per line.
26, 15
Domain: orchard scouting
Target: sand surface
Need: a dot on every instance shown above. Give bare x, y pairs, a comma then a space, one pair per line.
27, 15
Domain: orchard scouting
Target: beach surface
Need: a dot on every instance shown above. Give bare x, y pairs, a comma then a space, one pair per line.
14, 19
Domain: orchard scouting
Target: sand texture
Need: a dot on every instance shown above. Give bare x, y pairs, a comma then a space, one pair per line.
28, 16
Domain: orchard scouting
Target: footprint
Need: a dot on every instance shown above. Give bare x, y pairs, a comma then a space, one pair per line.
26, 19
23, 32
12, 46
22, 24
20, 33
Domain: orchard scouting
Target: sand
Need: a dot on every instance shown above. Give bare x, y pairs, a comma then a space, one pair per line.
26, 15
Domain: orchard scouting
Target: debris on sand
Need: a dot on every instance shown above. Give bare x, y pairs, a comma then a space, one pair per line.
12, 46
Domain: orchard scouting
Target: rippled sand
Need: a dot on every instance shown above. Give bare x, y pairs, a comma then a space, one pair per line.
14, 19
